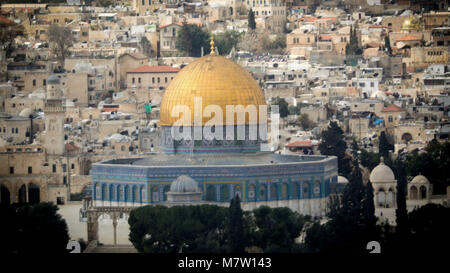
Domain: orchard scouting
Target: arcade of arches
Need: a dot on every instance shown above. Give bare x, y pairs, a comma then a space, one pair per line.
20, 192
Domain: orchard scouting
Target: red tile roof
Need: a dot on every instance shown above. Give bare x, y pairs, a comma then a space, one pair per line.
408, 38
5, 20
393, 108
154, 69
300, 144
325, 37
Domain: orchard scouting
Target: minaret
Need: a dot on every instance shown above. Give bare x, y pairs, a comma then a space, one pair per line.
54, 117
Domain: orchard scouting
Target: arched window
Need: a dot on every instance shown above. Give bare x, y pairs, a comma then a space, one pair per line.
211, 193
381, 196
262, 192
112, 192
238, 191
224, 193
155, 194
423, 192
251, 192
121, 194
284, 191
135, 193
143, 198
390, 196
305, 190
166, 189
274, 191
413, 194
97, 191
296, 191
317, 188
127, 194
105, 192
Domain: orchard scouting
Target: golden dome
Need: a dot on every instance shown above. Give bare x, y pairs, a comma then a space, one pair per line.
217, 80
411, 23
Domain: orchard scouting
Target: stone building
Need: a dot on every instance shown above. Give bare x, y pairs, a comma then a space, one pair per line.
151, 77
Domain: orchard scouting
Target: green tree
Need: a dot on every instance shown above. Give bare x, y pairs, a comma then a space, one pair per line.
26, 228
384, 146
283, 106
369, 159
62, 39
146, 47
226, 41
235, 232
190, 40
333, 143
401, 211
251, 19
305, 122
277, 228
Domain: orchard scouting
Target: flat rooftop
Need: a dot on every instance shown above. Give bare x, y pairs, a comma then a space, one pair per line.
171, 160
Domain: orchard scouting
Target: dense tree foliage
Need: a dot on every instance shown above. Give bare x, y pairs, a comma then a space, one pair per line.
27, 229
283, 106
159, 229
208, 228
352, 220
433, 163
277, 228
333, 143
305, 122
191, 39
226, 41
369, 159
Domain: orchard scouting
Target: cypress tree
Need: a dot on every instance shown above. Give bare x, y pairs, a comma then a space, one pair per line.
384, 146
401, 212
236, 227
251, 19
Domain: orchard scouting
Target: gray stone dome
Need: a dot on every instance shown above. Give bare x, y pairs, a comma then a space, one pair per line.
420, 179
342, 180
53, 79
382, 173
184, 184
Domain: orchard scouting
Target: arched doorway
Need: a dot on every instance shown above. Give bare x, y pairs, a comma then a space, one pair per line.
413, 194
224, 193
390, 197
381, 196
22, 194
252, 192
34, 194
5, 195
262, 193
211, 193
423, 192
238, 191
274, 191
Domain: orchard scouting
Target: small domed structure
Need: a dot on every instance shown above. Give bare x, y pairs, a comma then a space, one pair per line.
342, 180
411, 24
184, 184
384, 185
53, 79
420, 179
419, 188
382, 173
184, 189
25, 113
